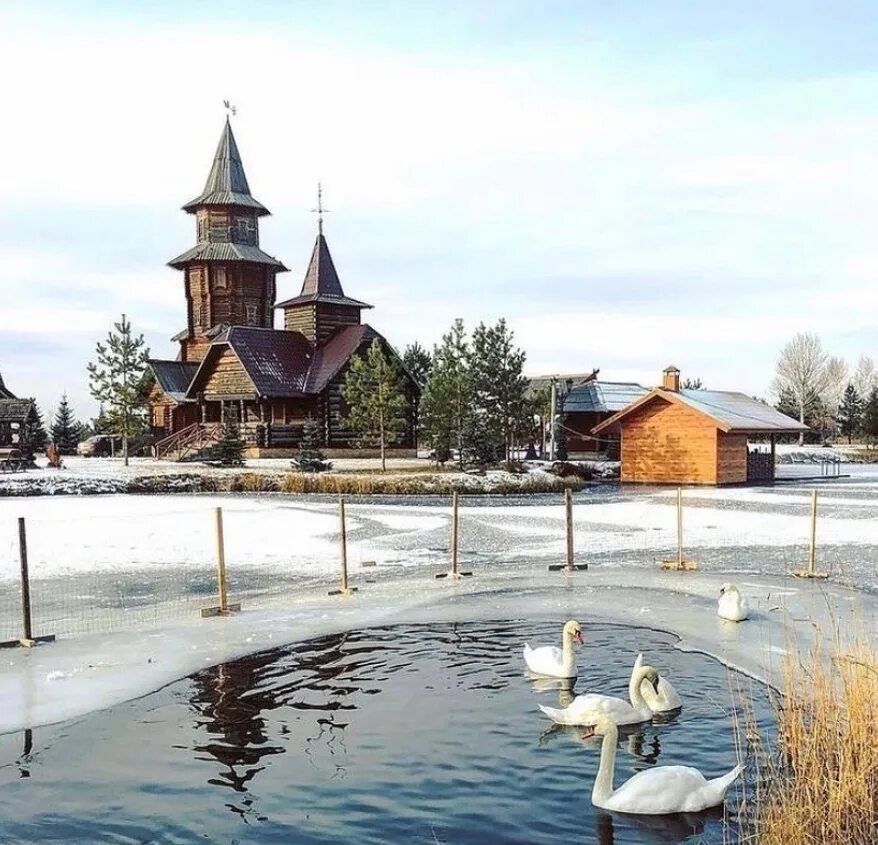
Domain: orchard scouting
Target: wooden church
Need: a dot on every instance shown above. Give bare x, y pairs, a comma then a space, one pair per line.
232, 357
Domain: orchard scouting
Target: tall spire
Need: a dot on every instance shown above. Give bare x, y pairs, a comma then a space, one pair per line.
227, 183
320, 209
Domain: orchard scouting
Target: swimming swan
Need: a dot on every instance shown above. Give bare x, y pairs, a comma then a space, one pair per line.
732, 605
664, 699
587, 709
552, 661
662, 789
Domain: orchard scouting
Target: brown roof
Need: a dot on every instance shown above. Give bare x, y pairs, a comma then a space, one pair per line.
732, 412
321, 281
335, 353
16, 410
174, 377
5, 392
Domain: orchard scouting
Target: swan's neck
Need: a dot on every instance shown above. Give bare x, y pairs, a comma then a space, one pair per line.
634, 693
603, 783
567, 658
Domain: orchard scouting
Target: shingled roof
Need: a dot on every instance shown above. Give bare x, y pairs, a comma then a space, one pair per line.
322, 283
209, 251
276, 362
335, 353
226, 184
174, 377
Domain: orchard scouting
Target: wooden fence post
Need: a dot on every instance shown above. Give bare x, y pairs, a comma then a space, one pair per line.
569, 566
223, 608
455, 572
28, 640
343, 542
811, 571
679, 563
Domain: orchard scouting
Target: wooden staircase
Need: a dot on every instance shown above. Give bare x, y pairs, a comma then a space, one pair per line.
188, 442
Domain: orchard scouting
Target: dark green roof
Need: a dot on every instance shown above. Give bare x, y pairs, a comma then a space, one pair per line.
226, 252
227, 183
322, 283
5, 392
16, 410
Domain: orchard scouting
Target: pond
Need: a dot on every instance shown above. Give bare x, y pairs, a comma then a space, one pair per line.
403, 734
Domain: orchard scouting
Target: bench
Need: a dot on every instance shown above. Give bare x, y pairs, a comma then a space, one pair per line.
11, 461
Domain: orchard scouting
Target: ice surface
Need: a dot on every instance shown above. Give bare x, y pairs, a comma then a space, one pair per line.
135, 569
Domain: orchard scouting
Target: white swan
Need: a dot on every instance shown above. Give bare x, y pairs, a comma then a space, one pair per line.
662, 699
554, 662
587, 709
660, 790
732, 605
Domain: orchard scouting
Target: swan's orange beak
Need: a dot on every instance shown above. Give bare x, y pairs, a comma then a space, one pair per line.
589, 733
578, 637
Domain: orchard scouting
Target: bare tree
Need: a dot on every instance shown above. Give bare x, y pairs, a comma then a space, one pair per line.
801, 372
865, 378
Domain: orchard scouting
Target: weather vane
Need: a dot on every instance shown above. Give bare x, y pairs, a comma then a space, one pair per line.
233, 110
320, 210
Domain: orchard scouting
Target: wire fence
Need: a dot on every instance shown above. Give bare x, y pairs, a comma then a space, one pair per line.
134, 562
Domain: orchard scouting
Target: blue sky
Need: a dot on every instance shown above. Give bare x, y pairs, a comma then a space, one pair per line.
629, 184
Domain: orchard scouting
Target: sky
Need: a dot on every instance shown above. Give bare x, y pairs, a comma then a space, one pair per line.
629, 184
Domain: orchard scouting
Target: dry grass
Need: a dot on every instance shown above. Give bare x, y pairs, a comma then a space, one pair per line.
821, 786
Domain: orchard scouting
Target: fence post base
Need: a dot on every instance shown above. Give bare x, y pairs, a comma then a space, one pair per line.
563, 567
676, 565
454, 576
23, 642
806, 573
228, 610
344, 591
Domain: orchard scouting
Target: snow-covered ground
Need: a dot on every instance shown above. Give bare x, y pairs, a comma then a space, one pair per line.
122, 578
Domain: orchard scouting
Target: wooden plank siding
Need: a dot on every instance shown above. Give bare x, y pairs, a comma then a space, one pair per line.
731, 458
318, 321
667, 443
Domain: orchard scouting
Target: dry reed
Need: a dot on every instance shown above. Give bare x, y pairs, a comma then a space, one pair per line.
821, 784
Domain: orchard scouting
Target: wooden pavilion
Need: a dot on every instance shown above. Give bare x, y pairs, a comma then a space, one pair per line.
231, 356
16, 415
672, 435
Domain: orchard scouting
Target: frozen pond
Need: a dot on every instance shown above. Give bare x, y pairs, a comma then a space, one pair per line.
415, 733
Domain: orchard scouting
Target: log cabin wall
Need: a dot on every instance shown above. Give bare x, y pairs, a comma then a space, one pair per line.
667, 443
229, 379
731, 458
318, 321
302, 319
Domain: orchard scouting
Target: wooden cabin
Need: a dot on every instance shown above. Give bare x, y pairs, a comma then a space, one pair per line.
16, 416
232, 357
672, 435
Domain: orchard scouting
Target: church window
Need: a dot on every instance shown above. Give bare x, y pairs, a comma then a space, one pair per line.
251, 315
219, 277
202, 228
243, 224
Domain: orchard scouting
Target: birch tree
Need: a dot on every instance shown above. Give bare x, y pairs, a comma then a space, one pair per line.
865, 378
801, 373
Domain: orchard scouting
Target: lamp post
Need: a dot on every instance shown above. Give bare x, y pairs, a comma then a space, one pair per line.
554, 434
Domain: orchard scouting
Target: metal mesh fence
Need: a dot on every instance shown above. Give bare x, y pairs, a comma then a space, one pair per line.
135, 562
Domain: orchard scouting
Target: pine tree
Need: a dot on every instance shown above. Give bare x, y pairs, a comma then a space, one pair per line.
870, 417
310, 457
499, 386
418, 362
850, 412
373, 389
101, 423
66, 431
33, 437
230, 448
447, 400
120, 379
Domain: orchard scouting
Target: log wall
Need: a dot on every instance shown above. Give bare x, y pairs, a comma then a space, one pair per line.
229, 378
319, 321
731, 458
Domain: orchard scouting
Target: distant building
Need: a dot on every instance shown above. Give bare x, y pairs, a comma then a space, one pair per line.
671, 435
232, 357
15, 417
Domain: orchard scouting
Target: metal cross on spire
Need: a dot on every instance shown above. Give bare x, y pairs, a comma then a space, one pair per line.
230, 109
320, 210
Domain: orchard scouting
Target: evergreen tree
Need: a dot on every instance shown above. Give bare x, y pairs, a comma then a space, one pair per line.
870, 417
447, 399
101, 423
374, 391
120, 379
692, 384
32, 437
850, 412
499, 386
310, 457
418, 362
230, 448
66, 431
561, 443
